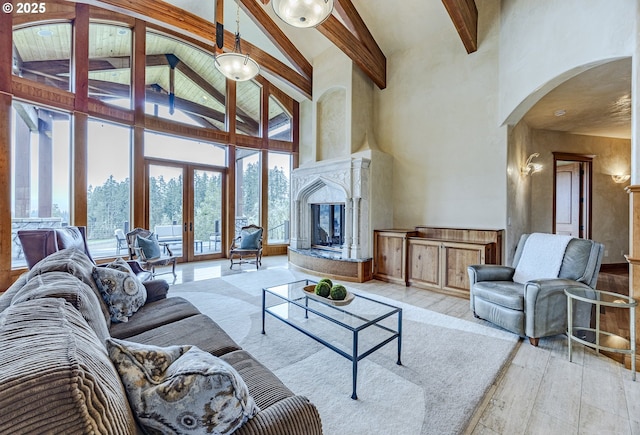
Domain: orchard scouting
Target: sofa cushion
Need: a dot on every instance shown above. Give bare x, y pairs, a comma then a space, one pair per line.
74, 262
154, 314
56, 376
265, 388
181, 389
198, 330
123, 293
71, 289
507, 294
7, 297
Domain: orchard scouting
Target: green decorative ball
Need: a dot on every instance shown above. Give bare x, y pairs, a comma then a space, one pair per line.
327, 280
338, 292
323, 289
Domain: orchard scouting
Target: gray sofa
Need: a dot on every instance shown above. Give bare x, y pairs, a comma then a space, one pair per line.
56, 375
536, 308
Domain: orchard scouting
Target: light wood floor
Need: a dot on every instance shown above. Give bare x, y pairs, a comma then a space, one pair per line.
540, 391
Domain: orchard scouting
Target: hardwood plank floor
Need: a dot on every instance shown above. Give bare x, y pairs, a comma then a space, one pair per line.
540, 391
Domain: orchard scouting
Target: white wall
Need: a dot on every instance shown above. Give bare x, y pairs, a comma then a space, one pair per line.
438, 118
545, 42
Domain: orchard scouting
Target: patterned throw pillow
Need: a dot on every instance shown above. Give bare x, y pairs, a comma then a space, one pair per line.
123, 292
250, 240
119, 264
150, 246
181, 389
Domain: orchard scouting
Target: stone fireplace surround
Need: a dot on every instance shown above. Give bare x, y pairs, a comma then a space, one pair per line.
342, 181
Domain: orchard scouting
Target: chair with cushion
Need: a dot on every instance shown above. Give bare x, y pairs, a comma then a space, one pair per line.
247, 245
144, 246
528, 298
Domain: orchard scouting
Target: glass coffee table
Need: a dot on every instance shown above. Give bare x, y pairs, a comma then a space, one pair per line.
354, 331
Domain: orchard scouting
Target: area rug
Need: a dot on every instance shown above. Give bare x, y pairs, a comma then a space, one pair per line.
448, 364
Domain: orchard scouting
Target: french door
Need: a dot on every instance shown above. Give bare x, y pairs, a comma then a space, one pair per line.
185, 208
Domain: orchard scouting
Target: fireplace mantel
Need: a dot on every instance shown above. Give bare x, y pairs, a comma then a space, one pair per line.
339, 181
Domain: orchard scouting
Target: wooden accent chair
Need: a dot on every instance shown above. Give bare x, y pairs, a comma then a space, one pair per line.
247, 245
144, 247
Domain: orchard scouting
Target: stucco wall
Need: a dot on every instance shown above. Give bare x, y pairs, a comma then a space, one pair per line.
610, 224
570, 37
438, 118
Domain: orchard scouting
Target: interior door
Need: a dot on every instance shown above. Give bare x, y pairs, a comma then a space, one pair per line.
568, 199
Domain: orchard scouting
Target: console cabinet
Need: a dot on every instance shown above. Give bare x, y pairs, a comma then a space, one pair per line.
434, 258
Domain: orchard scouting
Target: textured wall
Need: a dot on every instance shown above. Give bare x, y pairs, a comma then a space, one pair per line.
610, 224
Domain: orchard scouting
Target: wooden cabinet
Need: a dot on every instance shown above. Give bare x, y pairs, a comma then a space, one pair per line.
434, 258
390, 255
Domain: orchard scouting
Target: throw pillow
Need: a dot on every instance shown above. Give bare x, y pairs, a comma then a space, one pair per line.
181, 389
250, 240
121, 265
123, 293
150, 246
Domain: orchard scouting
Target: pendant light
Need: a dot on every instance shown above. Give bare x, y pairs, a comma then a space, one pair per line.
235, 65
303, 13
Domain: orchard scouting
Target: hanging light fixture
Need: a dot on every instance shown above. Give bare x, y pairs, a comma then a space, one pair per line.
303, 13
235, 65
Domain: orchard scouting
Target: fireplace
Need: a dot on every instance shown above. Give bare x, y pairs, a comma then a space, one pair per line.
327, 226
333, 214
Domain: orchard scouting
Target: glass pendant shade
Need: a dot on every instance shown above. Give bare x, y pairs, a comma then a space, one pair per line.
303, 13
237, 66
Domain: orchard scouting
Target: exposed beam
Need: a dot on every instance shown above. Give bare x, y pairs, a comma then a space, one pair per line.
464, 15
277, 36
349, 14
374, 66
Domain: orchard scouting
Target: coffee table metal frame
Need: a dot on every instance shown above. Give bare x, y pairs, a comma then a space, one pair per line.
303, 302
601, 298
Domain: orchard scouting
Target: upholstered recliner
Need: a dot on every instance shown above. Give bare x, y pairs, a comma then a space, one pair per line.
537, 307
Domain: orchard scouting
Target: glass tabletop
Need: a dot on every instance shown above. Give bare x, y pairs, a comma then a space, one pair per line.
600, 297
360, 313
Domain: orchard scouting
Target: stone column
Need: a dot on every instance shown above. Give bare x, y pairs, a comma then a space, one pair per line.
348, 228
355, 246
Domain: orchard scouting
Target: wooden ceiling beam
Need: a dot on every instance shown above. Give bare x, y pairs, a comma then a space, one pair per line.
277, 36
374, 65
464, 15
349, 14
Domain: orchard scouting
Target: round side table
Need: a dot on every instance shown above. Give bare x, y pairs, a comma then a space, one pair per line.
604, 340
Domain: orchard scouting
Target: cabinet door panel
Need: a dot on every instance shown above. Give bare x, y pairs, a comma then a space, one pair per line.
456, 258
424, 262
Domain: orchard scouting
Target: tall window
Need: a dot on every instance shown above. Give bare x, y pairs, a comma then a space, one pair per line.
182, 84
40, 168
110, 64
248, 177
109, 187
248, 95
279, 197
279, 121
42, 53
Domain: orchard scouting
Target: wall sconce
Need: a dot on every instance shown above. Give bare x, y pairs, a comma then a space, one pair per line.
619, 179
531, 168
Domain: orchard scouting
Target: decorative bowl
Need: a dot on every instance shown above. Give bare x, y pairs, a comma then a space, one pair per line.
310, 291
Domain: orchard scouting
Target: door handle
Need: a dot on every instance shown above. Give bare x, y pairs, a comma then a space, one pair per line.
185, 227
190, 226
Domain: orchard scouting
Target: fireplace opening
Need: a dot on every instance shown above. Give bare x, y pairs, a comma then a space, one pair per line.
327, 226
